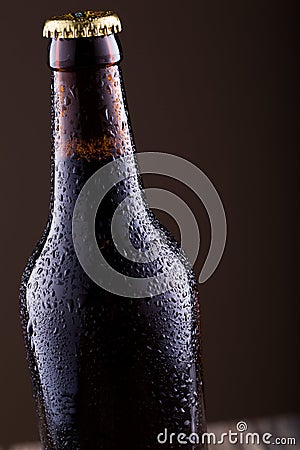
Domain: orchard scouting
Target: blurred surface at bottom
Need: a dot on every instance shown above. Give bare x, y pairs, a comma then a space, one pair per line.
281, 431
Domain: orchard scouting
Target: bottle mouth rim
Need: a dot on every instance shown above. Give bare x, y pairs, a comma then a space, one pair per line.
77, 54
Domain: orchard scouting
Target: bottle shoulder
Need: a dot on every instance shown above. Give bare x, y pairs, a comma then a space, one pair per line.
35, 255
54, 265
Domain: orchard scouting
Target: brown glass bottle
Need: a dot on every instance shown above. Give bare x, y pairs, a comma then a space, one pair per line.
108, 372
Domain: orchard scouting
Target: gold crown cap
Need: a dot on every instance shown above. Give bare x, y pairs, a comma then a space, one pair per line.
82, 24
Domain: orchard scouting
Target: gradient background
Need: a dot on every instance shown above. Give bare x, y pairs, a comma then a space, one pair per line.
216, 82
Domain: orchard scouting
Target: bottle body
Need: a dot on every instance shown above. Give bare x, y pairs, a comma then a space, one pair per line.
108, 372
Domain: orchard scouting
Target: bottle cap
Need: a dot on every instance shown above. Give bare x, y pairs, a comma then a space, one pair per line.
82, 24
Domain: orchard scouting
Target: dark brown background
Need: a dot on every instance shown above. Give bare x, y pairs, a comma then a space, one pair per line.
215, 82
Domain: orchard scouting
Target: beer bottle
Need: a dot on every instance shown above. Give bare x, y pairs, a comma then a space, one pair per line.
114, 365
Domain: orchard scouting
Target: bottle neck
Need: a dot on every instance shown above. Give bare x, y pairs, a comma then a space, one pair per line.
89, 114
90, 121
